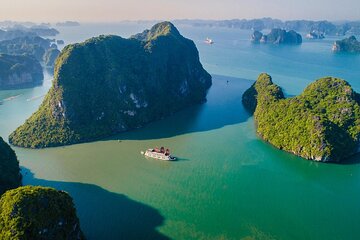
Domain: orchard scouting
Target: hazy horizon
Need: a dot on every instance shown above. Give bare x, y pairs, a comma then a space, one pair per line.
122, 10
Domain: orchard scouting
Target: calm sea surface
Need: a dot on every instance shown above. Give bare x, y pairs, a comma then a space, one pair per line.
227, 184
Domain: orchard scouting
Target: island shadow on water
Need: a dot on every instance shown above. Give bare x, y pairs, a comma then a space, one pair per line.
222, 108
111, 215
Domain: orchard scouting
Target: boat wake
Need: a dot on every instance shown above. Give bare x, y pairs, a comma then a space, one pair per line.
35, 98
11, 98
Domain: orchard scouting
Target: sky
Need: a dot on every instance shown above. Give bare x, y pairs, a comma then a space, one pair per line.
117, 10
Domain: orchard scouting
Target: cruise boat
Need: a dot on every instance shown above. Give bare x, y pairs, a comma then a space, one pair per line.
161, 154
209, 41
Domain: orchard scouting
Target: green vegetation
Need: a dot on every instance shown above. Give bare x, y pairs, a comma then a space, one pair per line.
32, 212
109, 84
19, 71
38, 213
347, 45
322, 123
9, 168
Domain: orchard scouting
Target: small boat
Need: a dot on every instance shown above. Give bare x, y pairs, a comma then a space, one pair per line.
160, 154
209, 41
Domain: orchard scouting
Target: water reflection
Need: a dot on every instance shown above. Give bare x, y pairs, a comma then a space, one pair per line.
223, 108
104, 214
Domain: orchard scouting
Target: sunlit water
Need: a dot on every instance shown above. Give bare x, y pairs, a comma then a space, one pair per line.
227, 184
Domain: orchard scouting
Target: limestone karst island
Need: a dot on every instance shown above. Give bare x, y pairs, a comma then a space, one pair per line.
159, 120
321, 124
109, 84
28, 212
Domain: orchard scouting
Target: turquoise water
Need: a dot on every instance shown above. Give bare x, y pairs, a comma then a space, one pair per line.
227, 184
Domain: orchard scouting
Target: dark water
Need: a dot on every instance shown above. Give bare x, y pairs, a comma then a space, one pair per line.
228, 184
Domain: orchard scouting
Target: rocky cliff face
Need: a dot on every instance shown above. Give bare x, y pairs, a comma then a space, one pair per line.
19, 72
256, 36
9, 168
347, 45
109, 84
38, 213
277, 36
321, 124
50, 56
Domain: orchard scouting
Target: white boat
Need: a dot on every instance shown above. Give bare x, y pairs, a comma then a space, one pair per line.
160, 154
209, 41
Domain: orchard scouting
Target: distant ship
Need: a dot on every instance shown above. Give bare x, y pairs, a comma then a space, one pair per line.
209, 41
315, 35
335, 47
160, 154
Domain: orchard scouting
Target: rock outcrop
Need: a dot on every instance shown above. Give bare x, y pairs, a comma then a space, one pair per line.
50, 56
19, 72
347, 45
38, 213
109, 84
277, 36
321, 124
256, 36
60, 42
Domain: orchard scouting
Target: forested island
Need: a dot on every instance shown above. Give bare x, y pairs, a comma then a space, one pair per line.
109, 84
38, 213
39, 30
32, 212
21, 52
43, 31
10, 176
30, 45
19, 71
277, 36
321, 124
350, 44
12, 34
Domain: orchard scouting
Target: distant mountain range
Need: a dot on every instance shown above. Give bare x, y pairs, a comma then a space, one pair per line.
22, 48
324, 26
67, 24
43, 29
258, 24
